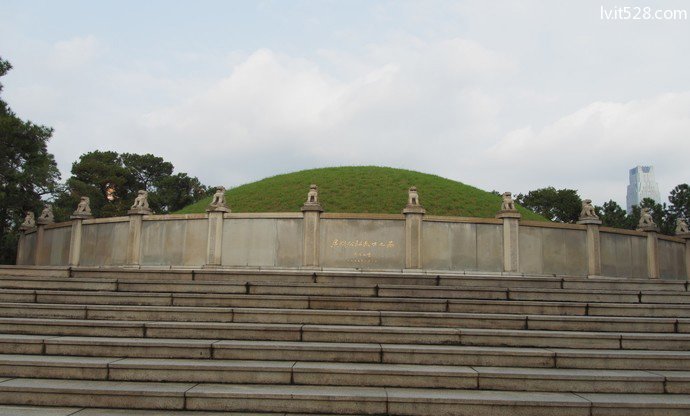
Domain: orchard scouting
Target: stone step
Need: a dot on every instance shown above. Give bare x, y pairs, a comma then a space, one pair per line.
346, 352
317, 399
345, 333
345, 317
339, 374
81, 411
83, 299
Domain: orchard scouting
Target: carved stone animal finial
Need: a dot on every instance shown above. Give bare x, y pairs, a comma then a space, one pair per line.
507, 204
141, 204
413, 204
46, 216
313, 195
312, 203
83, 209
681, 226
588, 212
29, 221
413, 197
218, 201
646, 220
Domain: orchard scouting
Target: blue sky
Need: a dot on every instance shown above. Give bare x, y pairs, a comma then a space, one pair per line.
501, 95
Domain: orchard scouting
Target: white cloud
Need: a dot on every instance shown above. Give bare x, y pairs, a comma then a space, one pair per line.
411, 104
601, 140
75, 52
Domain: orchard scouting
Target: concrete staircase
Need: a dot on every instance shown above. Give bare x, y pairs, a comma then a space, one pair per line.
341, 343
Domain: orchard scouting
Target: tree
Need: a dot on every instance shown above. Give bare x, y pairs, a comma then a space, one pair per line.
680, 201
562, 205
112, 181
612, 215
27, 172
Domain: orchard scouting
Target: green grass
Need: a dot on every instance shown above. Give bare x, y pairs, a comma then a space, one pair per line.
366, 189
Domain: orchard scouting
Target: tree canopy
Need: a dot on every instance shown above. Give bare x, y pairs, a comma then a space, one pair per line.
112, 180
27, 172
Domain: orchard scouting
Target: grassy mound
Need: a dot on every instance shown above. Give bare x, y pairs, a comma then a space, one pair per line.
369, 189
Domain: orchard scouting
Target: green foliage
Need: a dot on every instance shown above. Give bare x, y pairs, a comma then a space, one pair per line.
680, 201
112, 181
362, 189
612, 215
562, 205
27, 172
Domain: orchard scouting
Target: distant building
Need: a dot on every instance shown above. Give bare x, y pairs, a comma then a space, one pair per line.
642, 185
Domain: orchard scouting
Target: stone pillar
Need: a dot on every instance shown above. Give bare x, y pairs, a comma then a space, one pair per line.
687, 256
686, 237
216, 213
214, 246
134, 239
312, 235
593, 246
653, 271
75, 241
21, 246
414, 217
38, 252
511, 242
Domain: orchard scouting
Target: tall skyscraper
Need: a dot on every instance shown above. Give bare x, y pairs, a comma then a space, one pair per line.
642, 185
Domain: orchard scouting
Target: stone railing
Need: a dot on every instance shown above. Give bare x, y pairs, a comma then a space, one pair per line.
386, 242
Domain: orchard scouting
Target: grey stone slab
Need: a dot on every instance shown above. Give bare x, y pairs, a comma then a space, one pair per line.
240, 301
677, 382
464, 355
289, 244
517, 307
453, 320
32, 310
103, 298
501, 282
21, 344
93, 393
133, 412
293, 351
348, 243
530, 250
638, 404
606, 324
388, 335
377, 304
202, 371
490, 247
665, 297
642, 341
645, 310
622, 359
85, 368
436, 246
37, 411
305, 316
572, 380
71, 327
249, 242
534, 338
473, 402
384, 375
213, 330
17, 295
159, 313
310, 289
463, 245
441, 292
181, 287
573, 295
308, 399
129, 347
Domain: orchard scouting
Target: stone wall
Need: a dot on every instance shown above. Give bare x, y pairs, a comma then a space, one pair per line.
356, 241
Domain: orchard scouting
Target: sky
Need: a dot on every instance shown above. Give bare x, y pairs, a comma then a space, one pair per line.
501, 95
